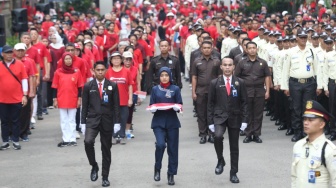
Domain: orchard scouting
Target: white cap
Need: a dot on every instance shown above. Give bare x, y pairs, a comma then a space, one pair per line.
147, 3
87, 41
170, 14
284, 12
321, 2
20, 46
128, 54
185, 2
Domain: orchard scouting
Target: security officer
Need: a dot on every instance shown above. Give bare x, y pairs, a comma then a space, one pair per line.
256, 74
329, 76
313, 162
164, 60
259, 40
191, 45
203, 70
300, 80
229, 42
242, 55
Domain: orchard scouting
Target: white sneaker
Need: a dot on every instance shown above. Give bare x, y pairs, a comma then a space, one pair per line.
132, 135
32, 120
50, 107
77, 135
122, 141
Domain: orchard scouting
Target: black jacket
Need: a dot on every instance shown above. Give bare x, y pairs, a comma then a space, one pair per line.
234, 52
95, 111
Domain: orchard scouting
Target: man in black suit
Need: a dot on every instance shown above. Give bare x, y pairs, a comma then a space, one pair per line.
100, 113
239, 49
227, 108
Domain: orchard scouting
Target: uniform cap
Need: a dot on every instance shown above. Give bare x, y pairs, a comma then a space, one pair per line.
328, 40
236, 29
293, 37
261, 27
297, 25
328, 27
302, 33
315, 110
277, 33
315, 35
280, 39
299, 13
170, 14
323, 35
20, 46
266, 32
198, 28
231, 28
6, 49
286, 38
333, 32
271, 33
128, 54
310, 29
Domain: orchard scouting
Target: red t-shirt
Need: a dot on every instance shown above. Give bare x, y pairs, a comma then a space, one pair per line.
123, 79
29, 65
146, 47
111, 39
32, 53
213, 31
43, 52
79, 64
100, 43
138, 56
67, 88
11, 90
252, 34
46, 25
134, 73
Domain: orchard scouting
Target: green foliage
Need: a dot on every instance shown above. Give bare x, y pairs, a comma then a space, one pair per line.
254, 6
11, 41
78, 5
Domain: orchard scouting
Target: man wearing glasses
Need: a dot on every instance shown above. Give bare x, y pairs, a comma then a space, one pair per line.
301, 79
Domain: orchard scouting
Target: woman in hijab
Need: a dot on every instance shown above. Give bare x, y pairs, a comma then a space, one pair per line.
67, 83
165, 124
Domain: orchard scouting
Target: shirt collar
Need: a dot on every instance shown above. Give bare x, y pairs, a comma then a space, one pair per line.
101, 82
241, 48
225, 79
318, 142
161, 57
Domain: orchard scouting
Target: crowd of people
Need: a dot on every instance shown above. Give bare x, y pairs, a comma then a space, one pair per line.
272, 62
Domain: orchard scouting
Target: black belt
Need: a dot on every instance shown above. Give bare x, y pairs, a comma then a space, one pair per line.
302, 80
332, 80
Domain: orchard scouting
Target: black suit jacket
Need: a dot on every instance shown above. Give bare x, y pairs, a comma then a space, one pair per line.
95, 111
222, 106
234, 52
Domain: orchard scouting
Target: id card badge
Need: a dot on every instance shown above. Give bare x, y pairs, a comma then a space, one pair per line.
308, 67
234, 93
105, 98
311, 176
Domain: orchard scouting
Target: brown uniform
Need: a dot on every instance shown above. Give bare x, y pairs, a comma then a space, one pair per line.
205, 71
254, 74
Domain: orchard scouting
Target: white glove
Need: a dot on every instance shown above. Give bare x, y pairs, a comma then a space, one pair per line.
83, 128
176, 108
243, 126
153, 110
212, 128
116, 127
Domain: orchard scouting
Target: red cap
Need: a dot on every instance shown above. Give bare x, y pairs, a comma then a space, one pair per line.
77, 46
67, 14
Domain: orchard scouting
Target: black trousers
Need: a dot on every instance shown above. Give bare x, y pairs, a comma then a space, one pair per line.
256, 108
233, 141
106, 145
331, 89
50, 101
288, 110
10, 122
40, 95
201, 109
277, 105
300, 94
25, 119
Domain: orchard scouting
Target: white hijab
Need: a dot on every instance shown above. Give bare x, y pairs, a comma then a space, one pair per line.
59, 41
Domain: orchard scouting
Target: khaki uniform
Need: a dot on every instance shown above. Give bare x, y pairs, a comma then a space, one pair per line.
303, 164
278, 60
270, 51
191, 45
261, 44
227, 45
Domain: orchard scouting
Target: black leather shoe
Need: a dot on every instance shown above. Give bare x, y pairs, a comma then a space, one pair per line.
203, 140
39, 117
106, 182
289, 132
242, 133
194, 110
195, 114
157, 176
273, 118
248, 139
211, 139
278, 122
332, 137
268, 113
234, 178
296, 137
282, 127
171, 179
94, 172
257, 139
220, 166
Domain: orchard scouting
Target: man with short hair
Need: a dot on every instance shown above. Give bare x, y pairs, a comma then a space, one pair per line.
13, 96
313, 161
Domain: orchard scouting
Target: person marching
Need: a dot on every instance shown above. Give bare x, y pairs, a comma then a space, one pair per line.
313, 161
100, 110
165, 124
227, 108
67, 83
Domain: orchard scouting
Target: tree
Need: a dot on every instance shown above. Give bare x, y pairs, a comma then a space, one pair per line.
78, 5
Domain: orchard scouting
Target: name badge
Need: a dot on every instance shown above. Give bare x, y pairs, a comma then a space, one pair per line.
308, 68
234, 93
311, 176
105, 98
170, 62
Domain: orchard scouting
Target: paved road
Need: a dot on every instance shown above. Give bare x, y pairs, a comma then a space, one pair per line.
41, 164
